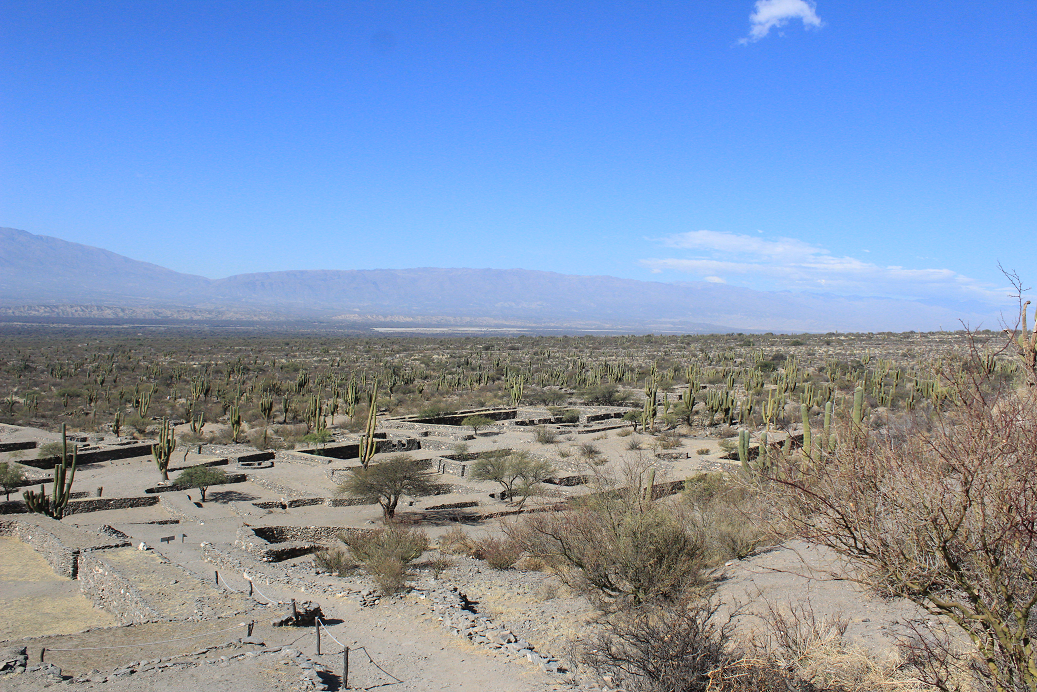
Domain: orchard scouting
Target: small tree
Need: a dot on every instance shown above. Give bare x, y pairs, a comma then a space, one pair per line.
201, 477
390, 480
318, 437
517, 472
11, 477
476, 422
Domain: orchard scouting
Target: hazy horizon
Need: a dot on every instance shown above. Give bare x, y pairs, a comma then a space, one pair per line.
775, 145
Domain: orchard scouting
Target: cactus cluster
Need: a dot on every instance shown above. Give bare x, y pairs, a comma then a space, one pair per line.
163, 449
367, 442
64, 473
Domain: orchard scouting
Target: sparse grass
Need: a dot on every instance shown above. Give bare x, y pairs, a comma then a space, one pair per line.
335, 561
702, 451
625, 432
438, 564
634, 443
456, 542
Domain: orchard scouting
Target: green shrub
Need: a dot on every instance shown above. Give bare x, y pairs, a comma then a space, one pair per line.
617, 547
49, 449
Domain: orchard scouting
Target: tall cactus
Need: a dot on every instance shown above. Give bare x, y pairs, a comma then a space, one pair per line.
1027, 347
827, 439
804, 411
235, 422
743, 450
55, 506
163, 449
367, 442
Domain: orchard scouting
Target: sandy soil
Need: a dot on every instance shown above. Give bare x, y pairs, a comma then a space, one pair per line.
35, 600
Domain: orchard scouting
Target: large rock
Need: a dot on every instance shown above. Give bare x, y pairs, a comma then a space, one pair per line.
13, 659
302, 614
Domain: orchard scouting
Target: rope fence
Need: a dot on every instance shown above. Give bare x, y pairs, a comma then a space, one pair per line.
345, 654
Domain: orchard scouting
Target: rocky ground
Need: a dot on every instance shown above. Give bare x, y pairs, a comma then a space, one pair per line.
470, 628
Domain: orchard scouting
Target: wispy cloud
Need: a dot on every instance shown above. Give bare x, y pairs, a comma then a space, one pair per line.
774, 14
791, 264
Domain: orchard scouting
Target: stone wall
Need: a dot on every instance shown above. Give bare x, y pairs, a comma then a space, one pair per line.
80, 506
277, 543
15, 446
62, 559
110, 454
102, 584
173, 487
103, 503
63, 547
352, 451
593, 417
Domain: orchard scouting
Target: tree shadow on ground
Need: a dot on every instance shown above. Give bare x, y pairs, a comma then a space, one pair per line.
224, 496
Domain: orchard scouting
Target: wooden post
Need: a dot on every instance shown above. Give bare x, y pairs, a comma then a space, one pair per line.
295, 613
317, 624
345, 669
217, 573
250, 626
42, 652
250, 588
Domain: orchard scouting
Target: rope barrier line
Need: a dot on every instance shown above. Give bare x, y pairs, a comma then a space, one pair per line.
358, 648
265, 597
364, 649
328, 632
164, 641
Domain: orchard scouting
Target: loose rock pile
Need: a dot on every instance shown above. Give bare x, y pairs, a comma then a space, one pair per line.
459, 616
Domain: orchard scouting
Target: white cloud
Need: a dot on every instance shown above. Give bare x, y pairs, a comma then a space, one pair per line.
792, 264
771, 14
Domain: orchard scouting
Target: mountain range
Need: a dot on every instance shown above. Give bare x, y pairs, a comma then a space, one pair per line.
48, 279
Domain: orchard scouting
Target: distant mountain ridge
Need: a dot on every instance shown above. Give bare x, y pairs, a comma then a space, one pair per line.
41, 275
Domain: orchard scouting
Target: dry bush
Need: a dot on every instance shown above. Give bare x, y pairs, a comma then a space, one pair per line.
499, 553
674, 648
685, 647
702, 451
456, 542
618, 546
387, 553
438, 564
545, 435
588, 451
814, 649
668, 441
946, 518
726, 512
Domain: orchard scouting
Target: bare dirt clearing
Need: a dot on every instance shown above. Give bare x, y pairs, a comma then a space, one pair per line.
37, 601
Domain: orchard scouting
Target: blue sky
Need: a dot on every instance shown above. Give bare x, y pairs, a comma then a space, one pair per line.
882, 148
